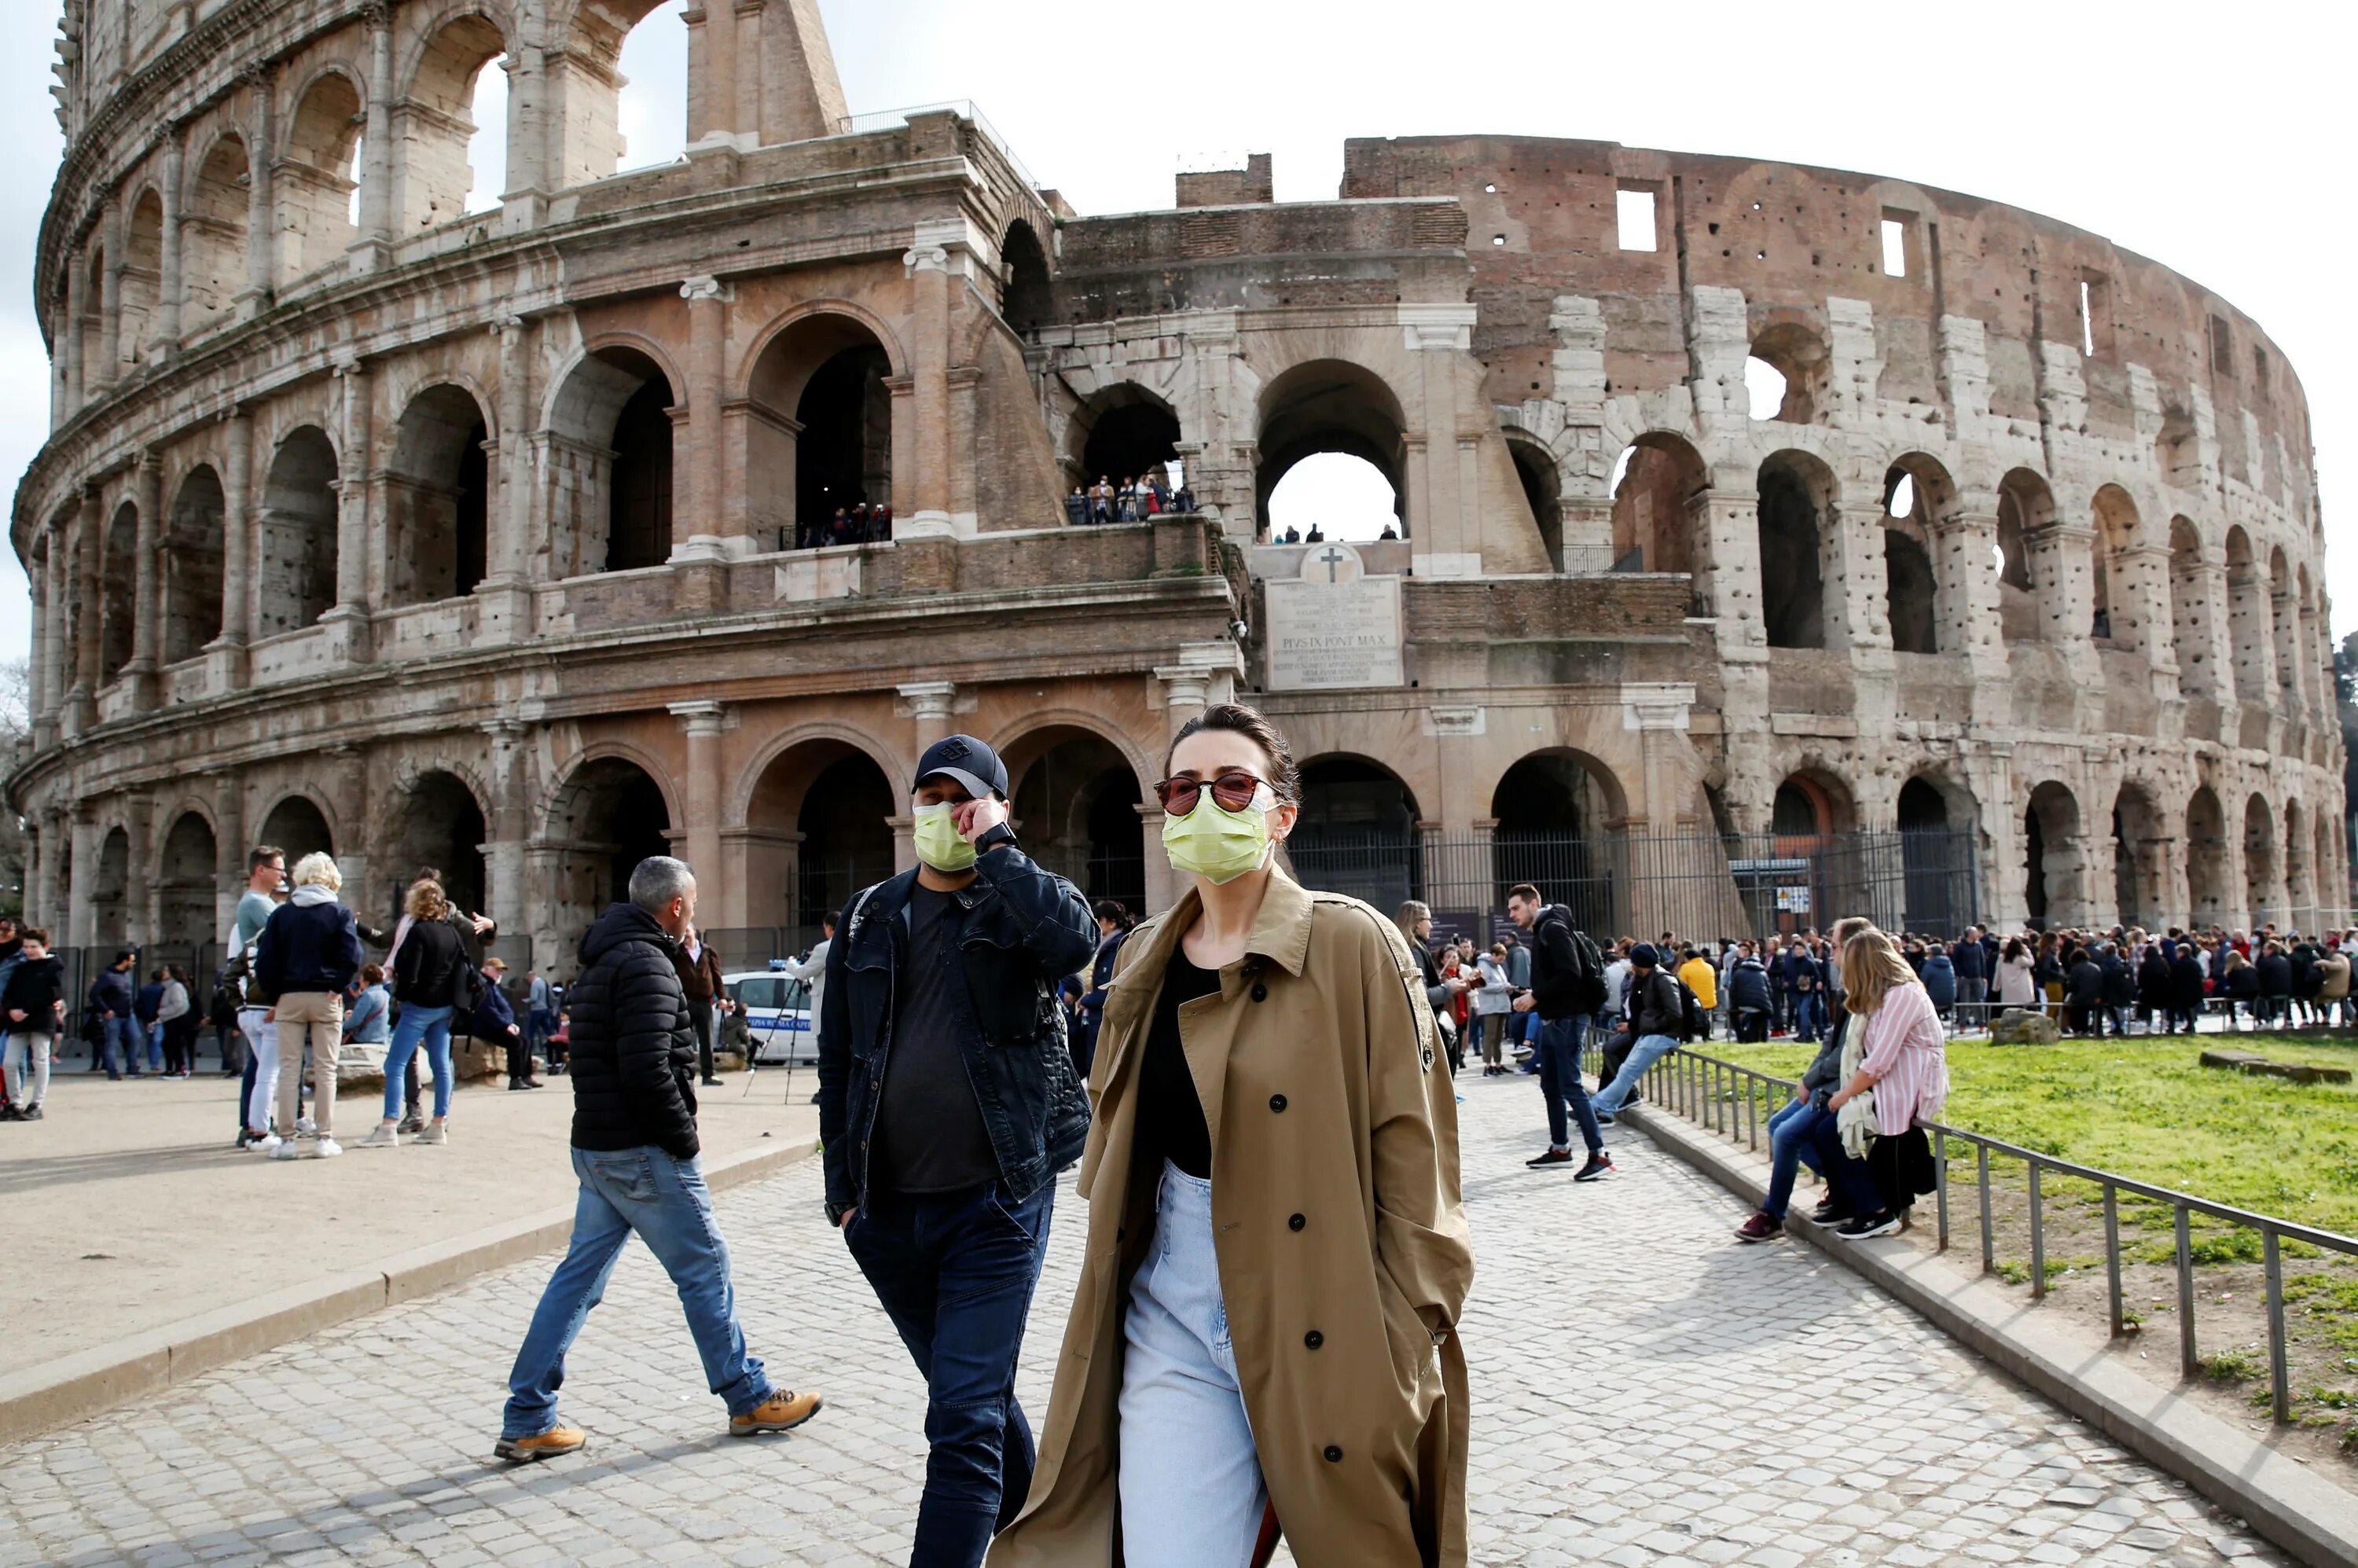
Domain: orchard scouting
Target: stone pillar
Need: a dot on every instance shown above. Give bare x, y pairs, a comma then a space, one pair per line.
78, 377
57, 848
169, 287
225, 654
103, 377
713, 63
347, 622
81, 711
700, 791
49, 635
141, 917
930, 704
147, 616
928, 266
81, 907
230, 845
261, 207
373, 250
695, 529
503, 856
504, 597
2288, 692
1441, 520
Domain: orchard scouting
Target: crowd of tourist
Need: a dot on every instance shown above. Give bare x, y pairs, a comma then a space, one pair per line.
858, 524
1134, 500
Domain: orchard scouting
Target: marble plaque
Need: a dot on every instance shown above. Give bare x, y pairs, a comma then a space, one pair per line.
1333, 627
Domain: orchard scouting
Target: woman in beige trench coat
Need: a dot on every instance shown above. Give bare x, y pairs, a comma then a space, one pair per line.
1316, 1367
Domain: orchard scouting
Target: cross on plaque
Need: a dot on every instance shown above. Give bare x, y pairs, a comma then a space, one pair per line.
1331, 558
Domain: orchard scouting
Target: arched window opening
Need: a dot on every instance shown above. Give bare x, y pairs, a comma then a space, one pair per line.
1657, 486
296, 826
1556, 812
138, 338
317, 183
441, 826
2189, 609
2137, 892
2050, 837
819, 441
1029, 301
610, 815
609, 456
213, 238
1785, 378
1358, 833
2024, 508
1901, 502
626, 85
1799, 809
2248, 620
1795, 492
436, 498
2263, 889
1340, 423
186, 906
2300, 892
2284, 611
2206, 858
638, 532
2176, 452
110, 893
193, 540
455, 108
118, 567
297, 547
1911, 591
1126, 434
1078, 805
1535, 469
2117, 613
847, 835
1936, 860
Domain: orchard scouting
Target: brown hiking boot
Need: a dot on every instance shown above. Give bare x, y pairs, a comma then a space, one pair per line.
782, 1411
556, 1439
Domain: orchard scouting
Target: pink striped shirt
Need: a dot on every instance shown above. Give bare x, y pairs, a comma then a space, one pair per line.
1907, 1055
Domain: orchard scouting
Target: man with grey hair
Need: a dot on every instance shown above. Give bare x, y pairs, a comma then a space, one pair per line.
636, 1153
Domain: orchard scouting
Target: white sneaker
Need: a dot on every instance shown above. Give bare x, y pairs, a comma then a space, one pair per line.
328, 1149
270, 1143
305, 1125
384, 1137
436, 1132
287, 1149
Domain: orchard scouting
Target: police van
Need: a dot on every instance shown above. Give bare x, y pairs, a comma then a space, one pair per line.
777, 1014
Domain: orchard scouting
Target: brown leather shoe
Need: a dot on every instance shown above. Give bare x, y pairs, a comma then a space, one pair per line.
782, 1411
556, 1439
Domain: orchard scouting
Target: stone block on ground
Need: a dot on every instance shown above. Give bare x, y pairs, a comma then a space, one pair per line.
2019, 1026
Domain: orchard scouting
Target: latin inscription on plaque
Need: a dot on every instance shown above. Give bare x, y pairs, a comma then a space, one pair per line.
1333, 626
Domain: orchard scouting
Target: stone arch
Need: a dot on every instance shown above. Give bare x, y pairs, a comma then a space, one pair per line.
2263, 881
441, 821
1330, 405
819, 810
298, 822
2053, 842
118, 565
1796, 350
1556, 815
818, 422
2026, 510
110, 891
1027, 301
1938, 823
1360, 831
296, 548
1658, 503
1798, 523
1811, 801
433, 113
2249, 620
438, 497
140, 314
1122, 432
591, 146
612, 808
1541, 483
1078, 791
187, 904
213, 235
195, 537
2119, 610
2190, 609
610, 432
2136, 835
2206, 859
2309, 678
316, 176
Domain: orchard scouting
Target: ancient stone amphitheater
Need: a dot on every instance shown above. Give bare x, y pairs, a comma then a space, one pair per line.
469, 538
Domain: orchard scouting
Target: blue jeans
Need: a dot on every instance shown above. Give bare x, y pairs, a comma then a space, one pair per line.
1792, 1145
1809, 1015
1648, 1049
955, 1272
664, 1201
1560, 1041
120, 1046
432, 1025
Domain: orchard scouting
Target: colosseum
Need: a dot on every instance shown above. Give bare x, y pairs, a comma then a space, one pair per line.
499, 540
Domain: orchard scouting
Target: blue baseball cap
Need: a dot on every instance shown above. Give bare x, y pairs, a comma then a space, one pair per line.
973, 763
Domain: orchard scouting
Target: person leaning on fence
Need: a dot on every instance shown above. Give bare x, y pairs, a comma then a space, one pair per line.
1895, 1076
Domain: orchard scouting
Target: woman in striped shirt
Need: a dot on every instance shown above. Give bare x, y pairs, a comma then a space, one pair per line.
1902, 1058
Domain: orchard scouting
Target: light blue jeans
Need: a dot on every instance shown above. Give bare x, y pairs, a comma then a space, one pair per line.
1650, 1049
431, 1025
1191, 1486
664, 1201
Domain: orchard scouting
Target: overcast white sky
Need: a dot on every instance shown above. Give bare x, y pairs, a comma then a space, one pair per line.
2211, 140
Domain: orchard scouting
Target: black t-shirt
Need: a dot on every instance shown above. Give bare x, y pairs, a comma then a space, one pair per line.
929, 1133
1170, 1115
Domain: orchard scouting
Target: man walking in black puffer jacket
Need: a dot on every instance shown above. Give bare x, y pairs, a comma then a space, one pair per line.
634, 1149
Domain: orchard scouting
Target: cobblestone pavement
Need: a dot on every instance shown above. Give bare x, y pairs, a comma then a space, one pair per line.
1645, 1393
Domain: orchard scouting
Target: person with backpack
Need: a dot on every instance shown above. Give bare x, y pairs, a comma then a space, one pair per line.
1657, 1018
1748, 997
1567, 986
33, 1002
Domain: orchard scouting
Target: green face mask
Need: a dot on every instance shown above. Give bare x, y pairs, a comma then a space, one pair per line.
939, 843
1215, 844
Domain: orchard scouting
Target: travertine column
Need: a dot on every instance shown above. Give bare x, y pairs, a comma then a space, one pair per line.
70, 335
169, 287
82, 908
503, 598
374, 249
700, 794
2287, 693
226, 653
139, 912
708, 332
1440, 500
260, 211
348, 622
56, 846
147, 620
928, 267
230, 845
88, 531
109, 369
503, 856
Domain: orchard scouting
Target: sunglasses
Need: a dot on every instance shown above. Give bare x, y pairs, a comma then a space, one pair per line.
1234, 791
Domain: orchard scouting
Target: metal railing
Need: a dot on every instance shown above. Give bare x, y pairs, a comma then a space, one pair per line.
1705, 1090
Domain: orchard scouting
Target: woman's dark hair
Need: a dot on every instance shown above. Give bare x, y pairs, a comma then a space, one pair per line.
1113, 909
1236, 718
2015, 949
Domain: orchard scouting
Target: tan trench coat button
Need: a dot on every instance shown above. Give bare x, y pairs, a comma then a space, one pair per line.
1314, 1339
1296, 1223
1277, 1102
1334, 1455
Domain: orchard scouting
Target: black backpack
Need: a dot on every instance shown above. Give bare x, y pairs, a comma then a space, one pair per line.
1587, 967
1691, 1023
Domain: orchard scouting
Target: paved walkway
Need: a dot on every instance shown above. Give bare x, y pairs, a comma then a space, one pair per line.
1646, 1393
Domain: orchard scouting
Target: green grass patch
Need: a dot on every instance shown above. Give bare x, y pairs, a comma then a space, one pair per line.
2148, 1109
2230, 1366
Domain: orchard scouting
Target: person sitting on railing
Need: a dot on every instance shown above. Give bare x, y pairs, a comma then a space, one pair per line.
1655, 1016
1792, 1133
1895, 1076
1747, 995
